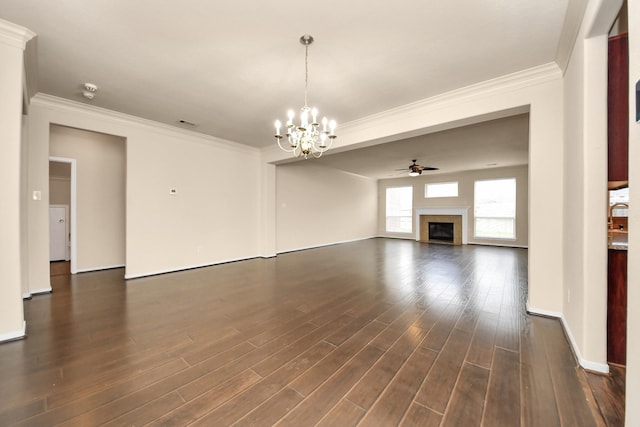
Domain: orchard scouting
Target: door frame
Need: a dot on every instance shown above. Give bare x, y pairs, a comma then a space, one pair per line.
67, 255
73, 216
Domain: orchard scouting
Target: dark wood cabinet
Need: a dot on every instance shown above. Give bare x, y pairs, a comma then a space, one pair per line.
617, 307
618, 108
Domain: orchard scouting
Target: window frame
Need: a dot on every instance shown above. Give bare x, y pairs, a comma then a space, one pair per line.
434, 184
513, 218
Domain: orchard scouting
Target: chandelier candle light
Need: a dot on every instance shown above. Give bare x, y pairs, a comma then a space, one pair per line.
307, 137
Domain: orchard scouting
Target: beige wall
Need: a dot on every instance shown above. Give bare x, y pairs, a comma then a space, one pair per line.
585, 187
12, 40
59, 191
540, 91
537, 91
59, 187
100, 191
465, 199
214, 217
317, 206
633, 320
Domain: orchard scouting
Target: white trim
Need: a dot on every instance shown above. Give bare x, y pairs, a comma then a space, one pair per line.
15, 35
409, 236
108, 267
541, 312
460, 210
187, 267
499, 245
66, 105
586, 364
11, 336
323, 245
389, 119
74, 209
520, 79
41, 291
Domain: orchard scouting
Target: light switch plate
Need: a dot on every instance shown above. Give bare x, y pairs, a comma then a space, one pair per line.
37, 195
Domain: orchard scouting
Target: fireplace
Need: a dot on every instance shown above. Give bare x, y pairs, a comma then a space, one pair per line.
441, 232
434, 225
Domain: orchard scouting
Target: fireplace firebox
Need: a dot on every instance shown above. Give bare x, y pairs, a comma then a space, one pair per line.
441, 232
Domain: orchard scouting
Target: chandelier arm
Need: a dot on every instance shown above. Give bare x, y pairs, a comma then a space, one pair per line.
283, 148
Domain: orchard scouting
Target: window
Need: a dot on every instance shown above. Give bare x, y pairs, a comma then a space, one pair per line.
399, 206
441, 189
495, 208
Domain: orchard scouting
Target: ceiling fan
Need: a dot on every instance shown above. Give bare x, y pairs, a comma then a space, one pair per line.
415, 169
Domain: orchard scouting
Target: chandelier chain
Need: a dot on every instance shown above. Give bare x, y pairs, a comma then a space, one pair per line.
306, 73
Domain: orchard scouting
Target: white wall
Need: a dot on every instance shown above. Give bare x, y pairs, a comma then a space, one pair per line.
633, 296
465, 199
316, 206
585, 187
12, 44
538, 91
214, 217
100, 191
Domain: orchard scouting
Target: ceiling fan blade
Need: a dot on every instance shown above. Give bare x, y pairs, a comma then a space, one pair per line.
427, 168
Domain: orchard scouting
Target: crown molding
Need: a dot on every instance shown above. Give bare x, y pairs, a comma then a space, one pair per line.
14, 35
31, 67
514, 81
494, 87
55, 103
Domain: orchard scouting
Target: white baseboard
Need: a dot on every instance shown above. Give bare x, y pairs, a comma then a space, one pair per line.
500, 245
185, 267
108, 267
29, 294
586, 364
323, 245
12, 336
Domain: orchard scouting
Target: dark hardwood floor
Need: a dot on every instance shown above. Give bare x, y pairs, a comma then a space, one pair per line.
609, 392
379, 332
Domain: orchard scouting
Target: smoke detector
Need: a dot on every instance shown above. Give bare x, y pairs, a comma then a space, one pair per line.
89, 91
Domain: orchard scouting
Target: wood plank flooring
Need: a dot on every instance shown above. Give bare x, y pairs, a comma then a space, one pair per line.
379, 332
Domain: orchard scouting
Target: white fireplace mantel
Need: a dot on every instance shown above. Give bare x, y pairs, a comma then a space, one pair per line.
460, 210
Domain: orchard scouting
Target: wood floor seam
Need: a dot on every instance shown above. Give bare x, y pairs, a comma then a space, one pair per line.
374, 332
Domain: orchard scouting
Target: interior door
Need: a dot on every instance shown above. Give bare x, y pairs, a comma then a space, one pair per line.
57, 233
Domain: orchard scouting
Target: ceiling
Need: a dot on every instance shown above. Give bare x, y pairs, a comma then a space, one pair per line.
234, 66
490, 144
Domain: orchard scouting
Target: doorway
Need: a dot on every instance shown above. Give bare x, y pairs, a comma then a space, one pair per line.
62, 193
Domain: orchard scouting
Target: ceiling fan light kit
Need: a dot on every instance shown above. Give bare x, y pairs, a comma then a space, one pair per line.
306, 138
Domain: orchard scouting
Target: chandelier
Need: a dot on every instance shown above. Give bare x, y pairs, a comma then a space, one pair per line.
306, 138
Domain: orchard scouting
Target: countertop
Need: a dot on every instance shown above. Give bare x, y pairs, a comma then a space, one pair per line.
618, 240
